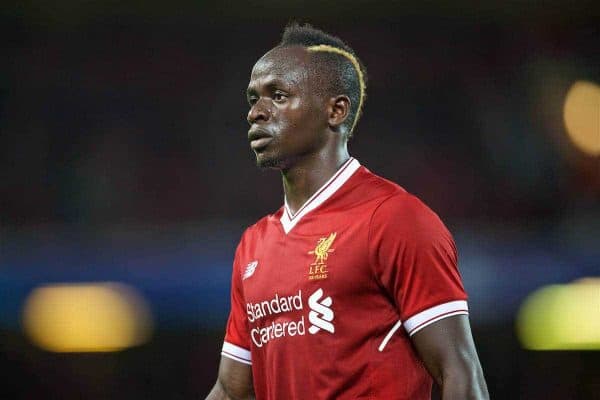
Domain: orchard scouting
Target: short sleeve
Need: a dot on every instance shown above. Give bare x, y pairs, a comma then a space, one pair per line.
414, 258
237, 344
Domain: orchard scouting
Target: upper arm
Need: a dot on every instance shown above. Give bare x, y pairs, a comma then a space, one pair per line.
235, 372
234, 381
448, 352
416, 261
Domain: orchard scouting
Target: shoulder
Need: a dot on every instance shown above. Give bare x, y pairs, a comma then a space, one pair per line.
259, 229
407, 206
392, 205
375, 186
390, 196
403, 212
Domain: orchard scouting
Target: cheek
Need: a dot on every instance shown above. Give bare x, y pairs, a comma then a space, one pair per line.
303, 116
291, 117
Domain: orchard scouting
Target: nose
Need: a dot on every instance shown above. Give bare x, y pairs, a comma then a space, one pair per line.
258, 112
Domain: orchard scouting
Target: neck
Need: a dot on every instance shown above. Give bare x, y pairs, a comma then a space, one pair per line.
307, 175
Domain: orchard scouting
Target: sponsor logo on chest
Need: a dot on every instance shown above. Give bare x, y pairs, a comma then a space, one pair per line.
320, 317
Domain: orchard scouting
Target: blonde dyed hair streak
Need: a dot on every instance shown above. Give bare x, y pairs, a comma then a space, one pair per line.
361, 80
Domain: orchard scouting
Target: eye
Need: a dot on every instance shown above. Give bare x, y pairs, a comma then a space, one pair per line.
279, 96
252, 100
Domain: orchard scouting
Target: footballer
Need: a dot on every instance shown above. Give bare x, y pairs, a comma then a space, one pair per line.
350, 290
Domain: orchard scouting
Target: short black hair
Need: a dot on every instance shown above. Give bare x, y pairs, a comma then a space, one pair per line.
343, 76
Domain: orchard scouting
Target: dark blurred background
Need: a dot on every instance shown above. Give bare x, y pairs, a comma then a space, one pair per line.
123, 159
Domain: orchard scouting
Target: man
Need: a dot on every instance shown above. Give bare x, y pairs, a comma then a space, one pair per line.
350, 290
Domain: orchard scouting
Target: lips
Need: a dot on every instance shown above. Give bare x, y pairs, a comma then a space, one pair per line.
259, 138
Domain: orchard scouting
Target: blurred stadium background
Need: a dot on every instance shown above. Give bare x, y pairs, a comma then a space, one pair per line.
126, 180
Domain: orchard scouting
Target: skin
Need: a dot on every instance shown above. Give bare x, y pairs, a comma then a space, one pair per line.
308, 144
296, 127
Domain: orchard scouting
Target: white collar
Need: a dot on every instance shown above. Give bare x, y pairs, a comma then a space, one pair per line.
288, 221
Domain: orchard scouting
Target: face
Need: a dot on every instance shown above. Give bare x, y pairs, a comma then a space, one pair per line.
287, 117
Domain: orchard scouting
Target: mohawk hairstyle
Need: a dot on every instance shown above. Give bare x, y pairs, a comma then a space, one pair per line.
345, 73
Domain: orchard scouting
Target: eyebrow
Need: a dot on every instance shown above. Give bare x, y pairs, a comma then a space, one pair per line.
270, 85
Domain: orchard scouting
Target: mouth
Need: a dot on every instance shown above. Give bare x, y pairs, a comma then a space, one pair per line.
259, 138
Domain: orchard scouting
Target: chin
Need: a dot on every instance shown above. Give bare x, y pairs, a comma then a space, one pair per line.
268, 161
268, 164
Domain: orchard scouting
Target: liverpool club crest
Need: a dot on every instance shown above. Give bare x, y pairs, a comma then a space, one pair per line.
318, 269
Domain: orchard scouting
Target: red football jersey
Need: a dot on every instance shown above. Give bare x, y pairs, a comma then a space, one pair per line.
318, 297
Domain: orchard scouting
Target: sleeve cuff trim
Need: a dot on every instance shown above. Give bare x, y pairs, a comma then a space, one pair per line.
237, 353
434, 314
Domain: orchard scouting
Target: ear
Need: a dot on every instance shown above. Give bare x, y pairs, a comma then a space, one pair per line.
338, 109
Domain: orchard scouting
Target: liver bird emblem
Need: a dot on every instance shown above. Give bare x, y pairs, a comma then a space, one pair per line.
323, 248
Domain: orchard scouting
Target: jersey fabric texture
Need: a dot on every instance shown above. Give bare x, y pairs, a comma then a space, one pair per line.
323, 302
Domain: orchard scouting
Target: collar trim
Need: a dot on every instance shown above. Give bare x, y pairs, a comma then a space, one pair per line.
289, 220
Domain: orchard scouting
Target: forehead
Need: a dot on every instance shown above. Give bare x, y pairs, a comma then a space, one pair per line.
290, 65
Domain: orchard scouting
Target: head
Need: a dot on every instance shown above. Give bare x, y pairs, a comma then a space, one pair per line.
305, 97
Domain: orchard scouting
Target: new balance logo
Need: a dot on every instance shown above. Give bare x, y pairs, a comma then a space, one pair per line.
250, 268
321, 314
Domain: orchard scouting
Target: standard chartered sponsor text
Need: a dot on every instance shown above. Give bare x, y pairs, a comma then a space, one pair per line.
276, 329
279, 325
262, 336
276, 305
